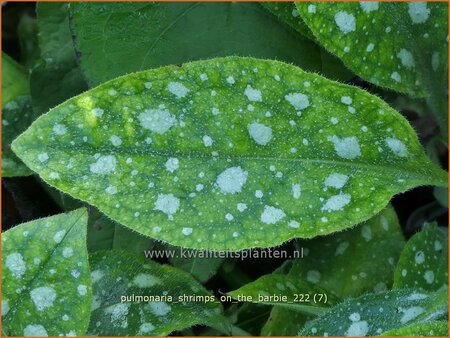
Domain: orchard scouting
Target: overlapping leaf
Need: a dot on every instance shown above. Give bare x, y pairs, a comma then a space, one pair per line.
424, 261
369, 254
182, 301
373, 314
398, 45
175, 33
229, 153
46, 289
331, 66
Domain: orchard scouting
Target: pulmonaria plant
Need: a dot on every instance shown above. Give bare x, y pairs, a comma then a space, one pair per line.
171, 140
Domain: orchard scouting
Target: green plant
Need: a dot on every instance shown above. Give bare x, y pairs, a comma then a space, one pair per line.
170, 148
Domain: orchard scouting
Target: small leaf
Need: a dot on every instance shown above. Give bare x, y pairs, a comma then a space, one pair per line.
14, 80
439, 328
17, 116
424, 260
373, 314
287, 292
57, 77
368, 252
172, 307
175, 33
280, 153
45, 276
374, 39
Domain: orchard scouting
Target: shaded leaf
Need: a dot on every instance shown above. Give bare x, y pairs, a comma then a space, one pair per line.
17, 116
398, 45
347, 264
28, 39
197, 263
424, 261
225, 132
14, 80
439, 328
175, 33
57, 76
373, 314
128, 275
45, 277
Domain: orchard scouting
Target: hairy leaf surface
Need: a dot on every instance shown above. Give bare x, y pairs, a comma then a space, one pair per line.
127, 274
229, 153
438, 328
373, 314
424, 261
398, 45
175, 33
45, 277
368, 252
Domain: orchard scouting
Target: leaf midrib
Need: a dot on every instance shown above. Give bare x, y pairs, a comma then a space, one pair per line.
122, 152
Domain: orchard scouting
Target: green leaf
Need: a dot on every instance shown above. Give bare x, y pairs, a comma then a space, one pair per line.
125, 275
373, 314
401, 46
45, 277
287, 292
279, 152
439, 328
175, 33
14, 80
368, 252
424, 260
17, 116
57, 77
197, 263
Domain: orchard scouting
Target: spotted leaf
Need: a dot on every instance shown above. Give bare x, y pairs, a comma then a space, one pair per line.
123, 310
424, 261
45, 277
286, 292
229, 153
373, 314
369, 253
398, 45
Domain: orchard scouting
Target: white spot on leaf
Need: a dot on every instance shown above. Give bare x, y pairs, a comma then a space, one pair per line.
231, 180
